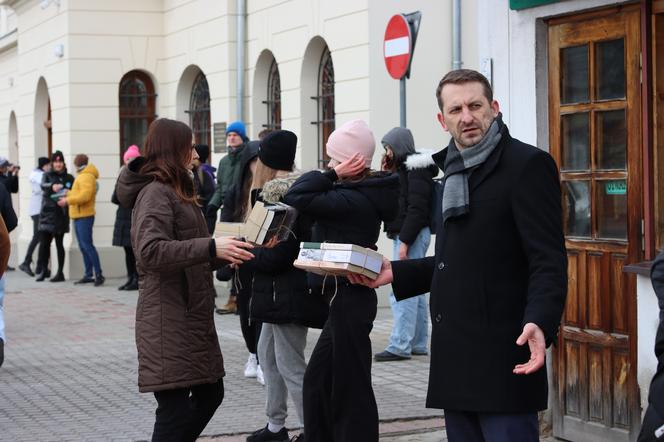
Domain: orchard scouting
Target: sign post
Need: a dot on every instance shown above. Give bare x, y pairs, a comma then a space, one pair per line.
398, 48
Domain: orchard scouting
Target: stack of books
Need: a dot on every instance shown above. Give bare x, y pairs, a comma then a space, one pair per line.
338, 259
265, 222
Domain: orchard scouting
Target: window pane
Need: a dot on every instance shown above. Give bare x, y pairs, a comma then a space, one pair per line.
575, 142
576, 208
574, 73
612, 209
611, 140
610, 63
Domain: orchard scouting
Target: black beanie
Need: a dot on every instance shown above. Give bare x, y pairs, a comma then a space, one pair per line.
57, 156
277, 150
42, 161
203, 151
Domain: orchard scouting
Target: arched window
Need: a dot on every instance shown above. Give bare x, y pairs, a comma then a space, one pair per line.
199, 110
325, 100
137, 109
273, 101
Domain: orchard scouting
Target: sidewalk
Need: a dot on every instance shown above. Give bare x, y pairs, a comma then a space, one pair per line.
70, 372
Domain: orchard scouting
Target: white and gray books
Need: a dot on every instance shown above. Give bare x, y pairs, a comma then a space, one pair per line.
338, 259
265, 221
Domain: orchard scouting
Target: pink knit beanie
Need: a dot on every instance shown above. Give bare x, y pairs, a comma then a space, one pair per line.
131, 153
351, 138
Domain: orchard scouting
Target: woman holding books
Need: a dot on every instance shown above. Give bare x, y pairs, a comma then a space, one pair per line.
280, 297
179, 358
348, 203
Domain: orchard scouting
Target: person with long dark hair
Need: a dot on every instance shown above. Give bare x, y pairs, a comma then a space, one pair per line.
53, 219
348, 203
179, 359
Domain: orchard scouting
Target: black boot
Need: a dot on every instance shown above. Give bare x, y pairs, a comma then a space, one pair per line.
132, 284
41, 277
99, 280
124, 286
25, 267
59, 277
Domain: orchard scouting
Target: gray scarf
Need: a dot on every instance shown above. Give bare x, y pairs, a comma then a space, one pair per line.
458, 167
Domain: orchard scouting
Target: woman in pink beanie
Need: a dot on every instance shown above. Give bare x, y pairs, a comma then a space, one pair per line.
347, 204
122, 227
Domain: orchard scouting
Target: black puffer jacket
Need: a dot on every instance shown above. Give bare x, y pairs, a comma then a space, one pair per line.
53, 218
122, 226
279, 292
415, 192
344, 212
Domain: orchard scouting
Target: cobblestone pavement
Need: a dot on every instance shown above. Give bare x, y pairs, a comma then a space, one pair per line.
70, 371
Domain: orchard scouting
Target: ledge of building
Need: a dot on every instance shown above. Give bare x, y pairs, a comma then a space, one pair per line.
639, 268
9, 40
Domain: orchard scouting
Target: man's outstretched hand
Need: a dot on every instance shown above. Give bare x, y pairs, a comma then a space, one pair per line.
384, 277
534, 336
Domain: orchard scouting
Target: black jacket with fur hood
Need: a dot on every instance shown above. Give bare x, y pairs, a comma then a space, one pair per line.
279, 292
415, 192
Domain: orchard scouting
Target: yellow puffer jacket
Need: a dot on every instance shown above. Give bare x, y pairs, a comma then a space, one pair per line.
81, 197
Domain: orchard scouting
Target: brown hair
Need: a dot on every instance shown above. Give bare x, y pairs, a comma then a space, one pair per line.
461, 76
80, 160
167, 152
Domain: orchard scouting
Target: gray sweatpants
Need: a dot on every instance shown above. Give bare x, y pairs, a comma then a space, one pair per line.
281, 352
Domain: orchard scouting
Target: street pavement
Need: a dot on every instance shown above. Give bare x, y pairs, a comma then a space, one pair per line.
70, 372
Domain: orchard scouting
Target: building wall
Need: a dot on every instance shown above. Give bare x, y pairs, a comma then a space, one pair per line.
173, 40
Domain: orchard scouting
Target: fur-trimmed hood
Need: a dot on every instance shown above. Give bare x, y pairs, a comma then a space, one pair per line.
275, 189
420, 160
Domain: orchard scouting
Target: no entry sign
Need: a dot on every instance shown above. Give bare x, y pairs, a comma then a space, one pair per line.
397, 46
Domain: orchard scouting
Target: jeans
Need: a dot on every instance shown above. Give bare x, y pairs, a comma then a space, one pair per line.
83, 227
410, 332
183, 413
34, 242
2, 308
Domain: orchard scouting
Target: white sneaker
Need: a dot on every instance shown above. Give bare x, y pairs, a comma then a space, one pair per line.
251, 367
259, 375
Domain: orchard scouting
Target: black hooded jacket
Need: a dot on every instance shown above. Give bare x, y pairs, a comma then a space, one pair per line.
53, 218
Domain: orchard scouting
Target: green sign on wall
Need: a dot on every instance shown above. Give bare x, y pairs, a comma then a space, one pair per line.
523, 4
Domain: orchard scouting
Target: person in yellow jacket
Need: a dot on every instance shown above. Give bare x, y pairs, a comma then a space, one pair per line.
81, 200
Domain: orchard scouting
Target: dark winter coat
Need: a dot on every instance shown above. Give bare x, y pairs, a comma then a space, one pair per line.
232, 207
415, 192
279, 292
7, 209
122, 226
205, 186
654, 416
53, 218
175, 333
344, 212
228, 174
495, 269
10, 181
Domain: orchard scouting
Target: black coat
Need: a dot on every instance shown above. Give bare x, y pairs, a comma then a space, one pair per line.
415, 192
122, 226
7, 210
344, 212
495, 269
279, 292
654, 416
53, 218
10, 181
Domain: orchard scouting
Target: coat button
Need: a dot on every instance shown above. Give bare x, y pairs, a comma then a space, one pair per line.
441, 266
439, 317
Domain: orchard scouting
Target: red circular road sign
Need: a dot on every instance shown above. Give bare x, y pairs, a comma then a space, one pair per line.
397, 46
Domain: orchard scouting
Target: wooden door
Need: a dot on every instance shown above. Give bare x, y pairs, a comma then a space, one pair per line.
594, 112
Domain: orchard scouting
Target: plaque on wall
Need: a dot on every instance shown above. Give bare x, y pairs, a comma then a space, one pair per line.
219, 137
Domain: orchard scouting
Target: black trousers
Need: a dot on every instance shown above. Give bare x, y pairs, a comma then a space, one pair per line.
339, 402
183, 413
468, 426
130, 262
45, 250
251, 330
34, 241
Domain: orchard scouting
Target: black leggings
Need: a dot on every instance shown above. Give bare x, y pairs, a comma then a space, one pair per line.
45, 250
34, 242
251, 330
130, 262
183, 413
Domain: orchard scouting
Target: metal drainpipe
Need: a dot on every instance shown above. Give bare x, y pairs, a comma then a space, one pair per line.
241, 6
456, 34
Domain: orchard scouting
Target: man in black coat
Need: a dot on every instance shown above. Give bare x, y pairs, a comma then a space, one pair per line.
653, 420
498, 279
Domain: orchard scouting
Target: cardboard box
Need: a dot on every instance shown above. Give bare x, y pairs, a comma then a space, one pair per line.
338, 259
264, 222
229, 229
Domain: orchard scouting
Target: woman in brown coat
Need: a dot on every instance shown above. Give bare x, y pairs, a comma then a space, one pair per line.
179, 358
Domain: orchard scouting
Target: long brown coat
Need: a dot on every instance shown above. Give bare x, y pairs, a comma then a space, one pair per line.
175, 333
